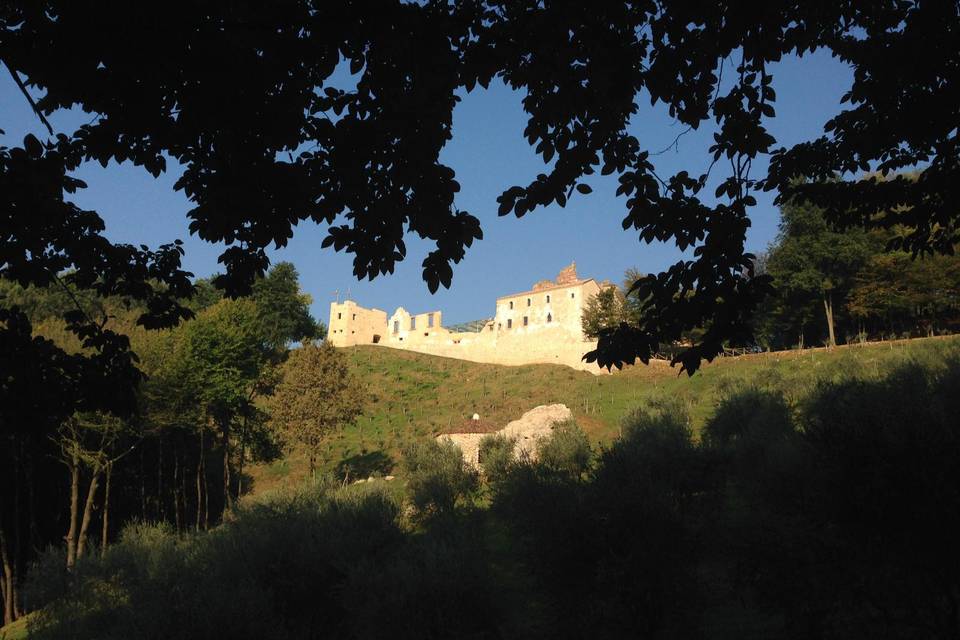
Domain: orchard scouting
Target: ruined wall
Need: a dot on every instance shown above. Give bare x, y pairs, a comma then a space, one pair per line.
549, 346
352, 324
541, 326
405, 328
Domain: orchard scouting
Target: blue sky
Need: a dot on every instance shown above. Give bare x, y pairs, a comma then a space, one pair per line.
489, 154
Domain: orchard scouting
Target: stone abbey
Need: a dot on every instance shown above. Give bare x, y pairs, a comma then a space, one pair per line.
541, 325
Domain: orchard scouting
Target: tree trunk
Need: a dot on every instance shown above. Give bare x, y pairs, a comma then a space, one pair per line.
206, 499
74, 511
17, 548
227, 498
7, 580
143, 489
161, 511
87, 513
105, 523
828, 309
199, 484
243, 454
176, 488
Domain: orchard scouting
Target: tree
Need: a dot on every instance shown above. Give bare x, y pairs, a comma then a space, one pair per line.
605, 310
316, 395
224, 353
282, 309
242, 97
811, 264
905, 294
89, 442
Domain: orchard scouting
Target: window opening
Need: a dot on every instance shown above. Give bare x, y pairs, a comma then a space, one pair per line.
525, 320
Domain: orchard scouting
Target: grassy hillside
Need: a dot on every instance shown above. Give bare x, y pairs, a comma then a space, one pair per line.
414, 395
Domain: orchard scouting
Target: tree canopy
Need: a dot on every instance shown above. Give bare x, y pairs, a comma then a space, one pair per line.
246, 99
316, 395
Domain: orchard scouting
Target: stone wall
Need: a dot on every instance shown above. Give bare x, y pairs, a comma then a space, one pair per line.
351, 324
527, 432
539, 326
405, 328
529, 312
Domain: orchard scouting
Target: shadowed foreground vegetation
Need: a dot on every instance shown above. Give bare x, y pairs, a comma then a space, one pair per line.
821, 505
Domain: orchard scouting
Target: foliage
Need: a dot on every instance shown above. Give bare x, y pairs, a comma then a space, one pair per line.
497, 456
604, 310
827, 509
197, 414
438, 478
242, 580
847, 278
812, 266
316, 395
282, 311
567, 450
897, 292
222, 354
272, 156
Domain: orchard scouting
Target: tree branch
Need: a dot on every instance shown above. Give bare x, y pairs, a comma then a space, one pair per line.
26, 94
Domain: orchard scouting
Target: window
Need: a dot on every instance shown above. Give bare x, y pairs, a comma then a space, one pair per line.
396, 327
413, 323
499, 326
430, 320
571, 296
354, 316
509, 323
548, 298
549, 318
339, 315
525, 321
528, 302
511, 304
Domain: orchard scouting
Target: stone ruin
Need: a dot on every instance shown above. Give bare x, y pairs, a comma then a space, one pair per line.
528, 430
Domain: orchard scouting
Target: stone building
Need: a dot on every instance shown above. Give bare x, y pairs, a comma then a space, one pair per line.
541, 325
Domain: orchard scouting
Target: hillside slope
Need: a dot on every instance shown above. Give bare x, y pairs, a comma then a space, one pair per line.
414, 395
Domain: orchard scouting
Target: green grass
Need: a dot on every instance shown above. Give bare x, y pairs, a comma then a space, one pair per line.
16, 630
412, 395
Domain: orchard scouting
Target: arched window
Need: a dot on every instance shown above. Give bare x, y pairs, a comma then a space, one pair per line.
549, 317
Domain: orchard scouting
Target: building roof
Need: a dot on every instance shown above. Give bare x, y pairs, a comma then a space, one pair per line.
568, 285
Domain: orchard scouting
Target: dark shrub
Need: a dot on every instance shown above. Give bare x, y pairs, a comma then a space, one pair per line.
497, 456
566, 451
438, 479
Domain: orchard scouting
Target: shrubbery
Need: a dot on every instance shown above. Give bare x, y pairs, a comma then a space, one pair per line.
566, 451
834, 514
497, 456
438, 479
